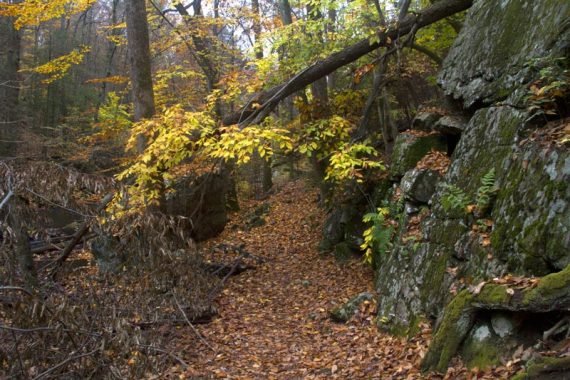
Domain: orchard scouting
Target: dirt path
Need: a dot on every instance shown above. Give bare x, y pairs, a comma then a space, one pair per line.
274, 320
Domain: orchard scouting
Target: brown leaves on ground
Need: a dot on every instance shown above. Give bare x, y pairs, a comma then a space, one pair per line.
435, 160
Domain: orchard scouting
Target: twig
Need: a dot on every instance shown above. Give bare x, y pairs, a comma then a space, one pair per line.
48, 309
557, 328
170, 354
6, 199
16, 288
16, 344
47, 328
64, 363
217, 288
190, 323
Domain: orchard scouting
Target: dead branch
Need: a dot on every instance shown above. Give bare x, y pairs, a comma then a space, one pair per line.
79, 234
190, 323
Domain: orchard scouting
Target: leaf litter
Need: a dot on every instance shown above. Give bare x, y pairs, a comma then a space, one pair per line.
274, 320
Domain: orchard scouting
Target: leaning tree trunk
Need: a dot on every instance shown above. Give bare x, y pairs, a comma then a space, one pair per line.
270, 98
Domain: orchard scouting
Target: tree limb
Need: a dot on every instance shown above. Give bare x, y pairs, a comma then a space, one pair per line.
430, 53
270, 98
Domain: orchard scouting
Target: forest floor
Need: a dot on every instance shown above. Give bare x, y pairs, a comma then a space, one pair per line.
274, 320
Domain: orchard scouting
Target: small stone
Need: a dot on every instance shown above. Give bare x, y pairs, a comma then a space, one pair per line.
342, 314
418, 185
502, 325
306, 283
481, 333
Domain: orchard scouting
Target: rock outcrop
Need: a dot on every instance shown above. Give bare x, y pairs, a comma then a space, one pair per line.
520, 223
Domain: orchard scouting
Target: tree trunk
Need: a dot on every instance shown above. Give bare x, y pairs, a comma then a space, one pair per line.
319, 87
22, 250
140, 61
287, 19
9, 85
257, 29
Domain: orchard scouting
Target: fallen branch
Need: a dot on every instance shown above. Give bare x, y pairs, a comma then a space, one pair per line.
168, 353
214, 292
190, 324
51, 243
222, 270
79, 234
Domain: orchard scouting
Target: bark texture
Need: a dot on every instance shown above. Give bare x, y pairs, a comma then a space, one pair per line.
139, 58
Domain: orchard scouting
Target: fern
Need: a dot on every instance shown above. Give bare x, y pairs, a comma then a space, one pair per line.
377, 238
486, 192
454, 198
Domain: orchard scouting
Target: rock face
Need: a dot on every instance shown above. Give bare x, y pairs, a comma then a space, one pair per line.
489, 59
524, 228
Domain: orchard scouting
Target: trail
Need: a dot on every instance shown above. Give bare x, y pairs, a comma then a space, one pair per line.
274, 321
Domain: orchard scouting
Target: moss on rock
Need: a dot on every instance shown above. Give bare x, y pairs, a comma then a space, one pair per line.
551, 293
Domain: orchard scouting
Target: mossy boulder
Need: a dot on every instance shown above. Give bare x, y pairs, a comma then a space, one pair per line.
342, 252
333, 230
425, 121
482, 347
551, 294
203, 201
532, 211
410, 148
450, 125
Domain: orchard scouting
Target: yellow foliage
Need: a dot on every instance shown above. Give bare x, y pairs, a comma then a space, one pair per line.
34, 12
57, 68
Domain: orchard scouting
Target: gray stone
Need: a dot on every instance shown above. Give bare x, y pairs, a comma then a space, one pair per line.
481, 333
450, 125
108, 253
502, 325
425, 121
410, 208
418, 185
